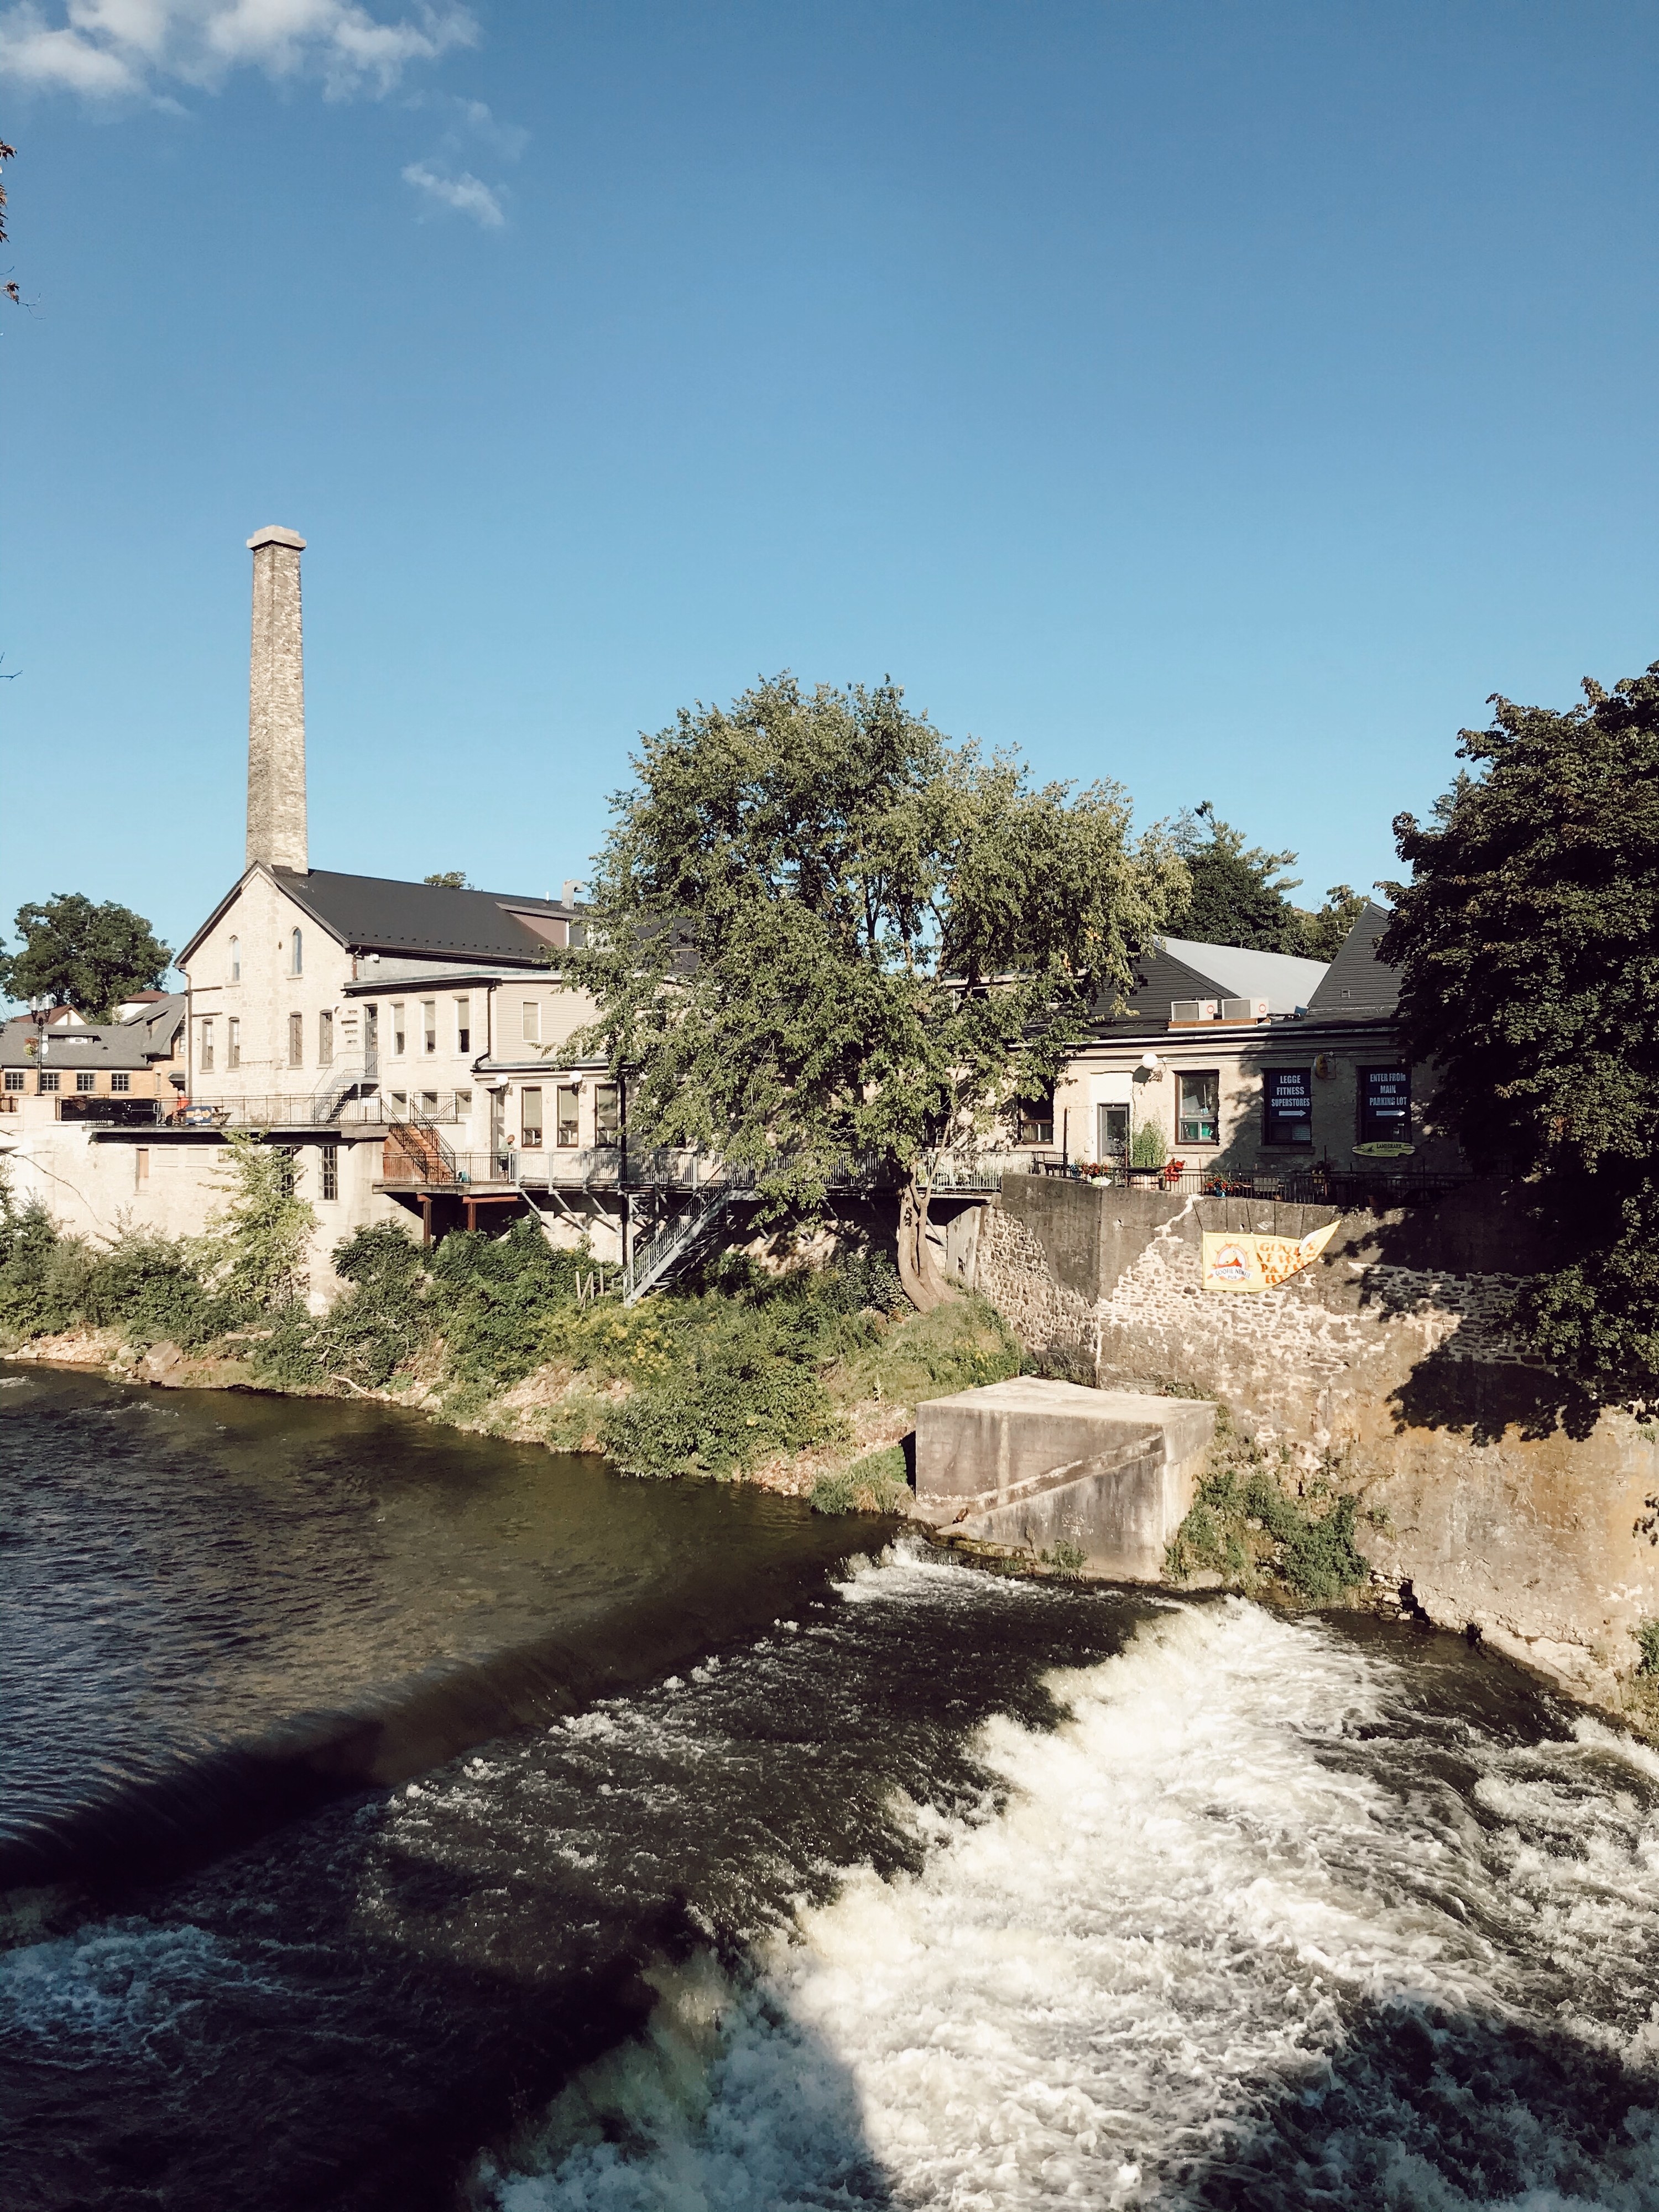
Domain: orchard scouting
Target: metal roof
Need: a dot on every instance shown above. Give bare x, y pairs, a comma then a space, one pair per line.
1235, 972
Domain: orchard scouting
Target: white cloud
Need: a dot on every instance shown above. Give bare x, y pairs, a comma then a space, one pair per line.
466, 194
110, 49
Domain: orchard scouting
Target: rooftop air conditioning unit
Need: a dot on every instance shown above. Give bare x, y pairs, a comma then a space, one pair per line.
1244, 1010
1193, 1010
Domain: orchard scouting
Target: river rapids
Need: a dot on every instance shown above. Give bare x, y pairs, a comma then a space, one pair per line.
820, 1880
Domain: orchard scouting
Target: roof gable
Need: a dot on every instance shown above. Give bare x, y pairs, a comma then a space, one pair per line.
1358, 987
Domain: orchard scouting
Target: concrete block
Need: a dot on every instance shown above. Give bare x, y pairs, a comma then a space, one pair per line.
1038, 1463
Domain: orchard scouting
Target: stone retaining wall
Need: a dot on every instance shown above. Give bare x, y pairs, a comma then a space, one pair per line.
1386, 1362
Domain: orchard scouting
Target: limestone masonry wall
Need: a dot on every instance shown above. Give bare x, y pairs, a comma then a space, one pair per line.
1387, 1362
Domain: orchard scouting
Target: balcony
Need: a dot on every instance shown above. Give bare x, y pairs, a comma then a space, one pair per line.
325, 1108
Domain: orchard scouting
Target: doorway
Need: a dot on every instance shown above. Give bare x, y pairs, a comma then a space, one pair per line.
1112, 1133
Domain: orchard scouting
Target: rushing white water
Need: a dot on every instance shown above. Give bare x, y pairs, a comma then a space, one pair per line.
1238, 1927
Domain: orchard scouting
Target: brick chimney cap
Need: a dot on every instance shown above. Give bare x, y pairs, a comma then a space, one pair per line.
274, 534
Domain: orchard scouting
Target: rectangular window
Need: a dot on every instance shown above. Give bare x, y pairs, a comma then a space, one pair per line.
233, 1041
85, 1080
462, 1104
1036, 1122
569, 1104
330, 1174
140, 1166
120, 1081
530, 1117
607, 1113
1113, 1134
48, 1079
400, 1103
397, 1029
532, 1021
429, 1104
463, 1024
429, 1023
205, 1063
1197, 1116
288, 1169
325, 1037
296, 1040
1385, 1106
1287, 1106
13, 1078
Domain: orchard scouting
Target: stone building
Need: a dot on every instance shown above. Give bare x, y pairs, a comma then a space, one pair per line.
400, 1041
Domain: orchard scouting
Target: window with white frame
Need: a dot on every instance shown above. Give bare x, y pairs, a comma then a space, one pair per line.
568, 1124
119, 1080
85, 1079
296, 955
48, 1080
607, 1113
430, 1024
296, 1040
330, 1182
530, 1117
15, 1078
235, 959
532, 1021
232, 1041
325, 1037
400, 1029
464, 1024
204, 1061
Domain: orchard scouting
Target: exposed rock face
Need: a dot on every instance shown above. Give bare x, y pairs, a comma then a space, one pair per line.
1387, 1361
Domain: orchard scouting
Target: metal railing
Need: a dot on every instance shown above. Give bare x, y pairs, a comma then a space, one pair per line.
1316, 1185
405, 1168
293, 1110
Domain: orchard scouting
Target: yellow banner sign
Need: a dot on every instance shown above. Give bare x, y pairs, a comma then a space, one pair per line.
1244, 1262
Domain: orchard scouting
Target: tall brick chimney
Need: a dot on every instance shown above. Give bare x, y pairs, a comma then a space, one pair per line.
277, 705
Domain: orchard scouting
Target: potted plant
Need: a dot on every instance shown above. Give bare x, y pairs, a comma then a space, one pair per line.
1147, 1153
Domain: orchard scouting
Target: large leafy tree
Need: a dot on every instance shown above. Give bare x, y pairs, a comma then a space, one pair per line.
76, 954
1528, 942
1241, 894
819, 931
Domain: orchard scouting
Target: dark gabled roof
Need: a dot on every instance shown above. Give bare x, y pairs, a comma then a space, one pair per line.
1168, 968
376, 914
1356, 985
1160, 978
130, 1044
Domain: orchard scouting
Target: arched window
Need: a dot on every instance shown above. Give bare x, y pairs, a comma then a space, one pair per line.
296, 951
235, 959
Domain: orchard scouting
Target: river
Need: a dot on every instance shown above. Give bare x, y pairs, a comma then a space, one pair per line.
394, 1818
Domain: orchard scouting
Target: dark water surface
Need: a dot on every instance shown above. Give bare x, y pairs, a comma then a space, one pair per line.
733, 1875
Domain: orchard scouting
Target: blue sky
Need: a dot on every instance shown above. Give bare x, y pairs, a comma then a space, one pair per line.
1222, 398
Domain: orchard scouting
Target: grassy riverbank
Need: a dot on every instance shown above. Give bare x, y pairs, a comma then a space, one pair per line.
806, 1380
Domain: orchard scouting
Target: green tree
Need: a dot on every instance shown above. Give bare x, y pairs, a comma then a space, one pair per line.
252, 1252
448, 880
820, 932
1238, 893
83, 956
1324, 928
1527, 943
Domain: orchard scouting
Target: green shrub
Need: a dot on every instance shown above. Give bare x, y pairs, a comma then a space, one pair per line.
1247, 1526
1064, 1558
146, 1286
877, 1483
491, 1297
1147, 1147
1647, 1637
740, 1389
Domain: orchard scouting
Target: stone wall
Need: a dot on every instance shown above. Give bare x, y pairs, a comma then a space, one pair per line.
1388, 1362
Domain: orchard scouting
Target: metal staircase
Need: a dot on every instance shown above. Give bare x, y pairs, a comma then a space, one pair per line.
330, 1095
676, 1242
423, 1147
